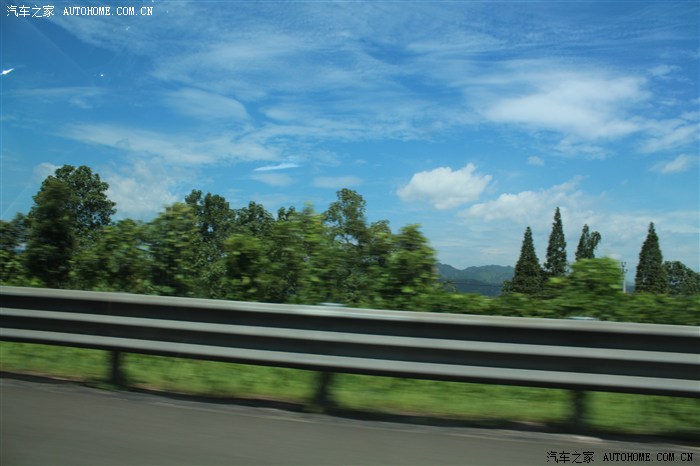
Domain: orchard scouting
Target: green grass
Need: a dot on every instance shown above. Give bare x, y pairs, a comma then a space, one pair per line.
472, 403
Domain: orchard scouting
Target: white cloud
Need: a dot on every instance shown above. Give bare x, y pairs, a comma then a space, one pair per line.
577, 104
662, 70
181, 149
142, 189
338, 182
205, 105
525, 207
44, 170
279, 166
671, 134
444, 188
534, 160
273, 179
677, 165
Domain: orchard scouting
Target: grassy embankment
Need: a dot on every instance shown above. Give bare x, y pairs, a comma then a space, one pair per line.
476, 404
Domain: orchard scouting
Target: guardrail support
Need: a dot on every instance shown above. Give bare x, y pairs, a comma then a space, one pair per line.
117, 376
579, 399
322, 397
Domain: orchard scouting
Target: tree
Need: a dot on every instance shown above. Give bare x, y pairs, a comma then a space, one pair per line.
410, 269
12, 236
346, 226
174, 245
91, 209
51, 240
651, 274
346, 218
592, 289
555, 266
528, 274
682, 279
215, 221
254, 220
117, 261
587, 244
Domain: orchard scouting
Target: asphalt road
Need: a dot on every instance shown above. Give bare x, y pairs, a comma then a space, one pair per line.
55, 424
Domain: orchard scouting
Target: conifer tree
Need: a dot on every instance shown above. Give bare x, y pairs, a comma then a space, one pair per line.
555, 266
528, 273
651, 273
587, 244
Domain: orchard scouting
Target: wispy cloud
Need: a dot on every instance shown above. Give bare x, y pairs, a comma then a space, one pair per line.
578, 104
677, 165
279, 166
445, 188
536, 161
182, 149
273, 179
205, 105
336, 182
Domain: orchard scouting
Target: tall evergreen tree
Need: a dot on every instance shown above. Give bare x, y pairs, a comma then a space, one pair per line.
587, 244
651, 273
555, 266
528, 273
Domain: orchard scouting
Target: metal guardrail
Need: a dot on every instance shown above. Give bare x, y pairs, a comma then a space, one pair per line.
578, 355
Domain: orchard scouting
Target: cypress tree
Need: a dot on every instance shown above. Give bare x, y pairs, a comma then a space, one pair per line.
651, 273
555, 266
587, 244
528, 273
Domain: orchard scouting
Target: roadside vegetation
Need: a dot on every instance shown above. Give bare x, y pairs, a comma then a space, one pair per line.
203, 247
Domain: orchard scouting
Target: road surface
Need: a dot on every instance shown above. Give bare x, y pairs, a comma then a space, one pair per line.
56, 424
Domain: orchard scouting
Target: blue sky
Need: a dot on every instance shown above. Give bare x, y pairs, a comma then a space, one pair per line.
473, 119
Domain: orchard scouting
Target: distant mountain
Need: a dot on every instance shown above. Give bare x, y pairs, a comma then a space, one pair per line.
486, 280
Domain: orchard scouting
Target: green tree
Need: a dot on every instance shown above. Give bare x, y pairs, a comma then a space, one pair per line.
174, 245
12, 236
587, 244
51, 240
346, 218
247, 266
528, 273
117, 261
651, 274
682, 279
555, 265
592, 290
254, 220
410, 270
215, 219
215, 222
88, 202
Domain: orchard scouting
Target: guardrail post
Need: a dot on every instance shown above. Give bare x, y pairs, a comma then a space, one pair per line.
117, 376
579, 398
322, 397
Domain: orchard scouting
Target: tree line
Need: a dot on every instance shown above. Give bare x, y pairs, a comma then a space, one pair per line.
203, 247
653, 274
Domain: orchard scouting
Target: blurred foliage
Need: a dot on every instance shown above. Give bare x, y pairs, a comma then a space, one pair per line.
205, 248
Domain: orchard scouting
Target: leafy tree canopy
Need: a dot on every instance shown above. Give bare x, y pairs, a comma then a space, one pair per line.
86, 199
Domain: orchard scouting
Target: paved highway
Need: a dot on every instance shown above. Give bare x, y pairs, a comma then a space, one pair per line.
56, 424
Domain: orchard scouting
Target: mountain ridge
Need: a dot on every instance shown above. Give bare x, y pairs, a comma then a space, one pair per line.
485, 279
